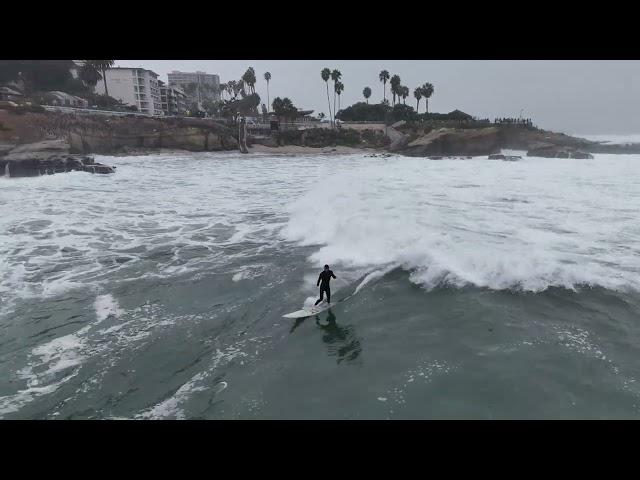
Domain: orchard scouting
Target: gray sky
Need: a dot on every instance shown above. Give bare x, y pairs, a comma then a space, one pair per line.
589, 97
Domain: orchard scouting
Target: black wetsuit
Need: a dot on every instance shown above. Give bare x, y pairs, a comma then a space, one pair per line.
325, 276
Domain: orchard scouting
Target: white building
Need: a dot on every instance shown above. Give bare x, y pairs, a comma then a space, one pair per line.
207, 85
133, 86
173, 99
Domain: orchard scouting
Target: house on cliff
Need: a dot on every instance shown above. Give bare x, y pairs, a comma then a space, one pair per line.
62, 99
301, 117
459, 115
8, 94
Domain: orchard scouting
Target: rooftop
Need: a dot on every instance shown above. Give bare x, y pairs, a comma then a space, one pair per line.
135, 68
9, 91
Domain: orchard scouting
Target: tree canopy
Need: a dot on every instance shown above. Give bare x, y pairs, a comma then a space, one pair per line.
283, 107
42, 75
243, 106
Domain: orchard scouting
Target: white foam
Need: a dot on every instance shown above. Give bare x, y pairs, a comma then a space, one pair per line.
61, 354
50, 243
173, 407
106, 306
248, 272
371, 277
528, 224
518, 225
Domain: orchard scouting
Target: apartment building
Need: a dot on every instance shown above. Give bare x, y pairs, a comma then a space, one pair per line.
133, 86
173, 99
198, 86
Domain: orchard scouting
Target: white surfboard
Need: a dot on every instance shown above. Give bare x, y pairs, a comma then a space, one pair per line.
309, 311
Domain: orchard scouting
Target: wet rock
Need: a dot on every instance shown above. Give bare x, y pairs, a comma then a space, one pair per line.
552, 151
47, 158
508, 158
458, 142
99, 168
582, 155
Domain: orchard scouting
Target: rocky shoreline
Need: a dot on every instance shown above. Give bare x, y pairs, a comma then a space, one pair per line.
491, 140
33, 144
46, 158
46, 143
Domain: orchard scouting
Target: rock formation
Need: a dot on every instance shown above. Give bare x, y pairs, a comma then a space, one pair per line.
46, 158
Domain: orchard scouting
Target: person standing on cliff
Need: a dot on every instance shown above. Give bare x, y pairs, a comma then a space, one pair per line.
325, 277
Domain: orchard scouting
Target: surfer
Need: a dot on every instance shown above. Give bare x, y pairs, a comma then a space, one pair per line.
325, 276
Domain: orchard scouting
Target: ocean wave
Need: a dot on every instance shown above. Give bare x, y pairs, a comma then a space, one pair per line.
567, 229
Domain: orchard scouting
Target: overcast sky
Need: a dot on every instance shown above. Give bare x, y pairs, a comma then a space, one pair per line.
587, 97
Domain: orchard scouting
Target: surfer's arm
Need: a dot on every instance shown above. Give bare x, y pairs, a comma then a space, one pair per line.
333, 275
318, 282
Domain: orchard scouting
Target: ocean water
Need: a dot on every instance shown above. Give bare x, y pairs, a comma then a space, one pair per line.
612, 139
466, 289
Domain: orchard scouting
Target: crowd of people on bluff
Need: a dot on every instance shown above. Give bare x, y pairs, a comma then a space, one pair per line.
520, 122
514, 121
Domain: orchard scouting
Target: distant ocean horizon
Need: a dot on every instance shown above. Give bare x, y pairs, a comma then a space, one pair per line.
610, 138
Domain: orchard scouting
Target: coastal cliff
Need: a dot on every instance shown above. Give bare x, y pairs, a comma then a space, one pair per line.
40, 143
112, 135
490, 140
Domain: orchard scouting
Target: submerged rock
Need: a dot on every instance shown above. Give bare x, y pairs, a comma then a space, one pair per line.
552, 151
47, 158
508, 158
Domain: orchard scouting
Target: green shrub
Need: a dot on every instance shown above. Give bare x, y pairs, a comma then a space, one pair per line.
325, 137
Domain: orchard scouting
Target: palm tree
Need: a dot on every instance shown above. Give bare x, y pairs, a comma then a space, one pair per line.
367, 93
326, 74
238, 88
267, 77
89, 75
277, 107
384, 76
395, 84
249, 78
339, 88
101, 66
418, 94
335, 76
427, 91
404, 92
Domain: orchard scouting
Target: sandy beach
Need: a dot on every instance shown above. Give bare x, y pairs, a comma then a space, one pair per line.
298, 150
